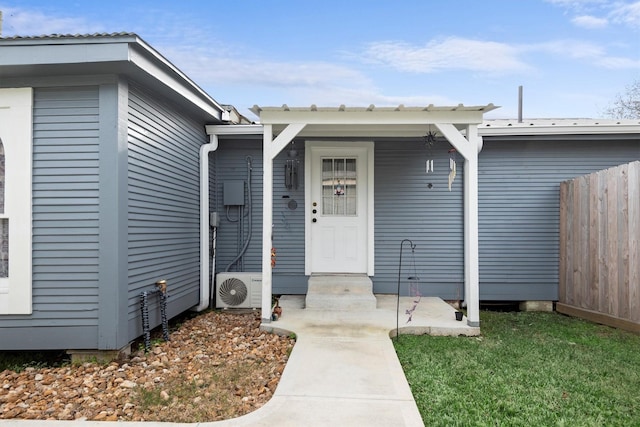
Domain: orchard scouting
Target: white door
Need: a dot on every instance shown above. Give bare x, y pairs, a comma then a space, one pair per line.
338, 210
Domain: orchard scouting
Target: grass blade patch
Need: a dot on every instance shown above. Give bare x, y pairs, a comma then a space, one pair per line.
526, 369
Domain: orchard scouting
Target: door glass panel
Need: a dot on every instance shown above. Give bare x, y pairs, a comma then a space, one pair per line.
4, 222
2, 174
339, 187
4, 247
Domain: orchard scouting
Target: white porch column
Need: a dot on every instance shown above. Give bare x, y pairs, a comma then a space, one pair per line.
267, 221
271, 148
471, 246
469, 148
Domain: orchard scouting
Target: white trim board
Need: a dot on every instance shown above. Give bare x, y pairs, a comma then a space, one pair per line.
16, 134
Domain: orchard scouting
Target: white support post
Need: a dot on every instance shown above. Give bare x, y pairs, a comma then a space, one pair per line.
471, 246
267, 222
469, 148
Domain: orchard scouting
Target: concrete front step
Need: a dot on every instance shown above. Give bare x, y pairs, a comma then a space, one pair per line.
340, 292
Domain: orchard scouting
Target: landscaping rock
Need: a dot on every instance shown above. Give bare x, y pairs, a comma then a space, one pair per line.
216, 366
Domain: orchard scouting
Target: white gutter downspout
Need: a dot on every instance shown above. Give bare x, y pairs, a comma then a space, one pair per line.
205, 149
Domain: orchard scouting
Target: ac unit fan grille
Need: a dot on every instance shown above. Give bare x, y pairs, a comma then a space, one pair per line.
233, 291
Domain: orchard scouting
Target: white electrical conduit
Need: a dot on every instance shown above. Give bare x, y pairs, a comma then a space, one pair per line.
205, 149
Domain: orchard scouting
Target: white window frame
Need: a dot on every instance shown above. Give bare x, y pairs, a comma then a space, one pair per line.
16, 130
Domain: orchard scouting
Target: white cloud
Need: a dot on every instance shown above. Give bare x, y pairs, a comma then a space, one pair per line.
25, 22
446, 54
568, 48
294, 83
628, 14
577, 4
587, 52
491, 58
214, 67
590, 22
618, 63
594, 13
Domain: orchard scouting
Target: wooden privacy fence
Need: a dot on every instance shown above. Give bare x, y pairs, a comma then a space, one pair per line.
599, 234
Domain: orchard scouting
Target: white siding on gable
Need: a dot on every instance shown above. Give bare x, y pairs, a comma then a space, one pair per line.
16, 137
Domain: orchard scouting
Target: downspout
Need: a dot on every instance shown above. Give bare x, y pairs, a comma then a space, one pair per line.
205, 149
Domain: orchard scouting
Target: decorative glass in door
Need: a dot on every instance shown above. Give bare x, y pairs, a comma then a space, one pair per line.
4, 221
339, 187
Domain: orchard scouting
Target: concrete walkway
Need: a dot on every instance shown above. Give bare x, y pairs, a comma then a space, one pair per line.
343, 370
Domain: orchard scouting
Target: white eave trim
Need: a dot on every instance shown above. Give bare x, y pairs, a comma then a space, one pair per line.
237, 130
559, 127
153, 63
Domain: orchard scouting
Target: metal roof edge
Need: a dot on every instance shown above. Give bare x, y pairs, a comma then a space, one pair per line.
256, 109
46, 39
139, 53
558, 127
221, 110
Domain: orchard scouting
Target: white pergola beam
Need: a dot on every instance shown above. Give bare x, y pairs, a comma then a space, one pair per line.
285, 137
394, 118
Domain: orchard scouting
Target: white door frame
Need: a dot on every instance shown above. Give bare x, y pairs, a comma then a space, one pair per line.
309, 147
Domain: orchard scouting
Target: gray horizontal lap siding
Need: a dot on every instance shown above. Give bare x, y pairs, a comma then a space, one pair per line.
406, 208
231, 165
519, 185
288, 224
288, 227
65, 224
163, 203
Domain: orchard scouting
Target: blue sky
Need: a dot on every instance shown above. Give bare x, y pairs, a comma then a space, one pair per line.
571, 56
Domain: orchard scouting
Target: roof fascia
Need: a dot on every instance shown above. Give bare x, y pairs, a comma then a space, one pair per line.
35, 54
617, 129
374, 117
234, 130
151, 62
125, 54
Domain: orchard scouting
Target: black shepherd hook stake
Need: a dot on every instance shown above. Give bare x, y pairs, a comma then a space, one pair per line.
413, 247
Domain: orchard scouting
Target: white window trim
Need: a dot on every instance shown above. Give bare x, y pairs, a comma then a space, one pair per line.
16, 107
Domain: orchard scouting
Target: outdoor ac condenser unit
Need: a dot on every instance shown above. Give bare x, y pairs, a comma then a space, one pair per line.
239, 290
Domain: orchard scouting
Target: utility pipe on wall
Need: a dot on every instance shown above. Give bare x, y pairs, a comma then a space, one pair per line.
205, 149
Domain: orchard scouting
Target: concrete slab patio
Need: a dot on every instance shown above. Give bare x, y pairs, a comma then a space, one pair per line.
343, 370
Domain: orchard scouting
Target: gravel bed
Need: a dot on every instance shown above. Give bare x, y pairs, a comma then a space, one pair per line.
217, 365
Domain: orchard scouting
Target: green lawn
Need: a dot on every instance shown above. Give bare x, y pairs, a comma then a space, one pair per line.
527, 369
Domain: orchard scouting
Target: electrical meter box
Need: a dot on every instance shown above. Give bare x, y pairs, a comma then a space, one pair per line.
233, 193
